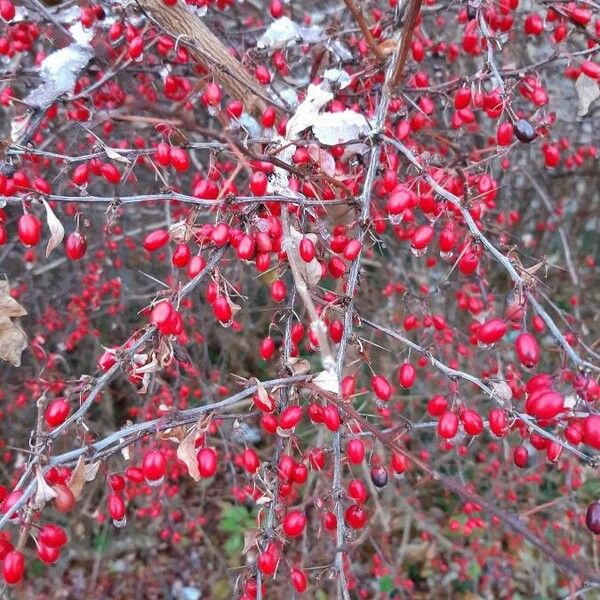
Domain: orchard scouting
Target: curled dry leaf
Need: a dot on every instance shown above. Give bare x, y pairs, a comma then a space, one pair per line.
43, 493
298, 366
57, 231
285, 433
114, 154
77, 480
175, 434
91, 470
251, 537
263, 500
13, 339
186, 453
181, 232
164, 353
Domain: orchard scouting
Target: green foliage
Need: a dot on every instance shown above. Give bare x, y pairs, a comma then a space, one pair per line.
386, 584
235, 521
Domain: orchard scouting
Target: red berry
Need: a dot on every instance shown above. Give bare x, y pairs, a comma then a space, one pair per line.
357, 491
47, 554
498, 422
278, 290
156, 239
111, 173
30, 230
290, 417
267, 348
136, 47
251, 461
381, 387
356, 516
355, 451
13, 567
53, 536
492, 331
462, 98
116, 508
306, 249
437, 406
258, 183
181, 255
207, 462
163, 154
75, 246
297, 576
276, 9
528, 351
521, 457
154, 465
447, 425
472, 422
221, 309
81, 174
180, 159
422, 237
56, 412
407, 375
294, 523
591, 431
590, 69
504, 134
267, 562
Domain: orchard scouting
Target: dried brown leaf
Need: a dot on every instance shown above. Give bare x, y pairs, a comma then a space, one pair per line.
175, 434
91, 470
298, 366
77, 479
13, 340
57, 231
9, 307
186, 452
251, 537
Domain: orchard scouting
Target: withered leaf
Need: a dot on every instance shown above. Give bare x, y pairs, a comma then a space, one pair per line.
174, 434
77, 479
9, 307
298, 366
13, 340
43, 493
57, 231
91, 470
250, 539
186, 452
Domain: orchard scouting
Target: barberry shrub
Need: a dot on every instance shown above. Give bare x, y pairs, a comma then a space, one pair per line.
299, 298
